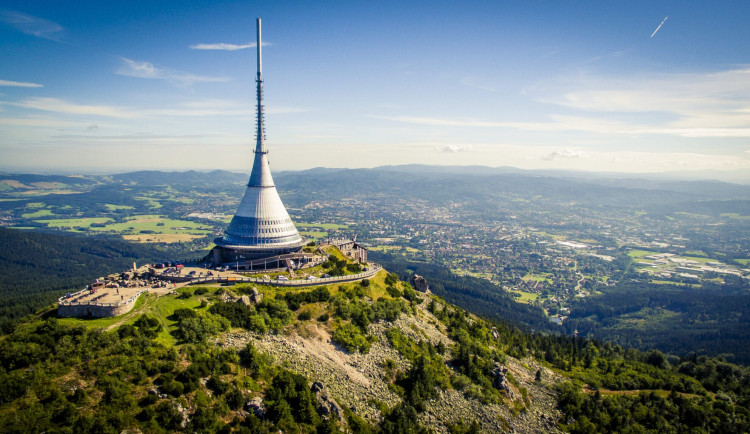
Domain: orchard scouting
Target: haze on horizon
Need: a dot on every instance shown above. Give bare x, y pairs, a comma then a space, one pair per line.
593, 86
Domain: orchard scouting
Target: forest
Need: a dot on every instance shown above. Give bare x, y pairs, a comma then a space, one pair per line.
678, 320
41, 267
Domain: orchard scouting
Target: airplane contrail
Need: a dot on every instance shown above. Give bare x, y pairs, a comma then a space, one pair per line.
662, 23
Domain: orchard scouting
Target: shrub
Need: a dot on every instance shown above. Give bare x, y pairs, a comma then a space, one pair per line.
350, 337
304, 316
393, 292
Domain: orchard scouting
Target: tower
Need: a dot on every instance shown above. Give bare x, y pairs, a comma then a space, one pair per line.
261, 227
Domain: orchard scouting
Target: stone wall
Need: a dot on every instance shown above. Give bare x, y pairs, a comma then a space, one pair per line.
95, 310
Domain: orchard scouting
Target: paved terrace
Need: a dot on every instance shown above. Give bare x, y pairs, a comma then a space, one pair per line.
102, 297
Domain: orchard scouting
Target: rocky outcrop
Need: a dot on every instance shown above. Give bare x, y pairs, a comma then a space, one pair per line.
420, 284
327, 406
255, 296
500, 381
256, 407
356, 381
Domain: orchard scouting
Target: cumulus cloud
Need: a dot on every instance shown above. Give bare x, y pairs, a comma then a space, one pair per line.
19, 84
456, 148
144, 69
565, 154
32, 25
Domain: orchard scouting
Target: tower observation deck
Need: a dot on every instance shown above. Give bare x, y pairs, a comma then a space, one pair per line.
261, 227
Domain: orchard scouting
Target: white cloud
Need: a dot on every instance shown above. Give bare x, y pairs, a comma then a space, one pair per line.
715, 104
19, 84
441, 122
710, 105
456, 148
565, 154
144, 69
61, 106
32, 25
225, 46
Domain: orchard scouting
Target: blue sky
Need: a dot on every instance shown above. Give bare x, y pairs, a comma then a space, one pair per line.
102, 87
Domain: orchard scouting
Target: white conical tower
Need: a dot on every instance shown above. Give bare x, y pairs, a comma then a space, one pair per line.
261, 226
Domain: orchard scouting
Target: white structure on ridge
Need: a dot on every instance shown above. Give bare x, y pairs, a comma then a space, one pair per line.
261, 227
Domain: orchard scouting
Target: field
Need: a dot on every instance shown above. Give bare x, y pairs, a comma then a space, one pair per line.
735, 216
525, 297
73, 224
316, 235
537, 277
156, 223
113, 207
161, 238
637, 254
37, 214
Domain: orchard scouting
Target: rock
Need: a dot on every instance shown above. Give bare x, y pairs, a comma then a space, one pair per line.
244, 300
420, 284
500, 381
255, 296
317, 387
184, 412
257, 407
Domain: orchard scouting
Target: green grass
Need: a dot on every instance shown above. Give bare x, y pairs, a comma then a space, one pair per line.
543, 277
635, 254
688, 214
163, 307
113, 207
74, 223
159, 307
735, 216
526, 297
314, 234
667, 282
384, 249
37, 214
743, 261
151, 203
695, 253
138, 223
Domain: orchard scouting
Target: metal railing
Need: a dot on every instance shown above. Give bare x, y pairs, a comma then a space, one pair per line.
302, 282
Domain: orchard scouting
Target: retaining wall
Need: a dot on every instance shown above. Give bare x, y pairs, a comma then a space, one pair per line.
75, 309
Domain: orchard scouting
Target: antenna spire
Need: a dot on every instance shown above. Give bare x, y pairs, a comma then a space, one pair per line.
260, 132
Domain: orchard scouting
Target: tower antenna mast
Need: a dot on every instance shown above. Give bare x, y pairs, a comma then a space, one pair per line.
260, 132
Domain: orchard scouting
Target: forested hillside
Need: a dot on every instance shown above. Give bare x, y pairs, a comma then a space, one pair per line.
478, 296
37, 267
